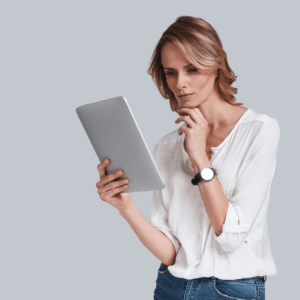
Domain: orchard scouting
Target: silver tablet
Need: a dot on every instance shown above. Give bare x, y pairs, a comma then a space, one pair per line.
115, 134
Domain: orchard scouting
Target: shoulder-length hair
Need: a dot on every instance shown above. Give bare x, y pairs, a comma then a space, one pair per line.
202, 46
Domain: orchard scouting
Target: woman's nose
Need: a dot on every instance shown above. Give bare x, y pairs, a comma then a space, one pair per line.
181, 81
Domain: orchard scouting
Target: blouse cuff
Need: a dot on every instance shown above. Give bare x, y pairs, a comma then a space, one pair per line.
235, 222
173, 239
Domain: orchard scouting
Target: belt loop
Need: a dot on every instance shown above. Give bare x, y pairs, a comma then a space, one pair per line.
265, 278
213, 278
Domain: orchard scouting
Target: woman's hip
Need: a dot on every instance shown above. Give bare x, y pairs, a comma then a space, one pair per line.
209, 288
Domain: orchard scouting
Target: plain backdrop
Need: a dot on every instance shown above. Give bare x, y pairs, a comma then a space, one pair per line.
58, 240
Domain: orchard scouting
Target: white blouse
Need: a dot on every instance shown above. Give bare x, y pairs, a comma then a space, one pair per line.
245, 163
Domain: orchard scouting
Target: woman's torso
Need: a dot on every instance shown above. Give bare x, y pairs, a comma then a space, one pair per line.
199, 254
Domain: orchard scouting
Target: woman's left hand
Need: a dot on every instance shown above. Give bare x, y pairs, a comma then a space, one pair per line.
195, 132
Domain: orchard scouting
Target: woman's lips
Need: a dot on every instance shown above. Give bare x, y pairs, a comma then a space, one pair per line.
187, 97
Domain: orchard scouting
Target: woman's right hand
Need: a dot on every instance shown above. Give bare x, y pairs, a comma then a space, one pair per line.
109, 190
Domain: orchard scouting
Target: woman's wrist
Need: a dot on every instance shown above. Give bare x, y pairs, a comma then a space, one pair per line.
127, 209
199, 164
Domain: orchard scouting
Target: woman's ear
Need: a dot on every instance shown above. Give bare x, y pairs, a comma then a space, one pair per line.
216, 73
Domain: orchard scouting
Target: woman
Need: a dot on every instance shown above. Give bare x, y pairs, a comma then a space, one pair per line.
208, 226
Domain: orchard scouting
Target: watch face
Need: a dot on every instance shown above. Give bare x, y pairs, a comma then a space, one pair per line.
207, 173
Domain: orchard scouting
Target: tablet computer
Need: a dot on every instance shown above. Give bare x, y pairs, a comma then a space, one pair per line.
115, 134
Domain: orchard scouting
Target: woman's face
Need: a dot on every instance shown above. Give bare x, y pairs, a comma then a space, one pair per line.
183, 78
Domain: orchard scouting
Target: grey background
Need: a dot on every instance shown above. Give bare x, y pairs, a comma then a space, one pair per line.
58, 239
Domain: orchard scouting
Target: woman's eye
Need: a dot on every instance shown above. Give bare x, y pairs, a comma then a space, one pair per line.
195, 70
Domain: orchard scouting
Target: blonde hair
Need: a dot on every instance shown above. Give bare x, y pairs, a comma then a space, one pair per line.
202, 46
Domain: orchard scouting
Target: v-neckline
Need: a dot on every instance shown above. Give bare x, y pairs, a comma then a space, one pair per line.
231, 132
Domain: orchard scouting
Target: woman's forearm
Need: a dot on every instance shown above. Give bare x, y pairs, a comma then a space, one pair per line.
152, 238
213, 196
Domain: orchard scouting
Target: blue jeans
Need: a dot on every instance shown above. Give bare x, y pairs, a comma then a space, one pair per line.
207, 288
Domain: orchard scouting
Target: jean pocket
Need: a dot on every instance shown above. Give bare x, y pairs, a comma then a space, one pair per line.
163, 269
236, 289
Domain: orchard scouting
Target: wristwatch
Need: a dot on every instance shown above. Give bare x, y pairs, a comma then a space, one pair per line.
206, 174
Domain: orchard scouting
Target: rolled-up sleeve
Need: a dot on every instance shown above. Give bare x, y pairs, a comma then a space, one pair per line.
159, 213
252, 188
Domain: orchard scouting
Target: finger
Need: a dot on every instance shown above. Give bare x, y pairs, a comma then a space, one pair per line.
187, 120
195, 115
101, 168
111, 185
183, 129
198, 111
191, 112
112, 176
107, 196
108, 178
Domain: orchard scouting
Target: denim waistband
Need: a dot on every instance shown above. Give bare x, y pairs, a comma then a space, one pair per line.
252, 279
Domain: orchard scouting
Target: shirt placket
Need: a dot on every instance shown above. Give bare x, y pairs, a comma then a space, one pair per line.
199, 251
